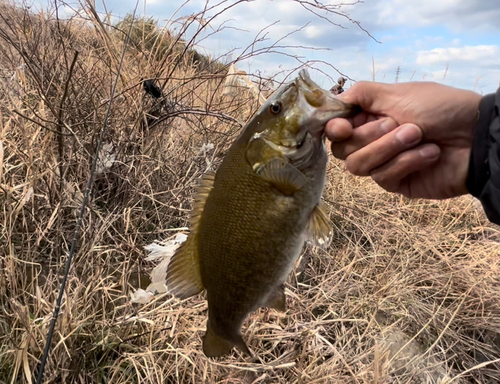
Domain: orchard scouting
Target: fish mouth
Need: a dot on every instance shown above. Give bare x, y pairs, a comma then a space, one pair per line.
325, 104
313, 93
299, 142
289, 147
305, 79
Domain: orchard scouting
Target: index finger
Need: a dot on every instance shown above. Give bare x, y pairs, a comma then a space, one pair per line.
371, 96
340, 129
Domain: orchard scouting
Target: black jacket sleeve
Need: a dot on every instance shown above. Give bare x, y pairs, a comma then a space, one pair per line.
483, 180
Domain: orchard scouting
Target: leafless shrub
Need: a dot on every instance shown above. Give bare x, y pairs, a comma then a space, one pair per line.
408, 292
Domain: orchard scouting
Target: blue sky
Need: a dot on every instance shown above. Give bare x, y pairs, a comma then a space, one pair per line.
455, 42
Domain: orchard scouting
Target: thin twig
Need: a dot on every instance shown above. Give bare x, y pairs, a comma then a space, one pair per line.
79, 221
200, 112
60, 124
40, 124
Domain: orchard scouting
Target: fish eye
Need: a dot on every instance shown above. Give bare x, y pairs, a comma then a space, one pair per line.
275, 108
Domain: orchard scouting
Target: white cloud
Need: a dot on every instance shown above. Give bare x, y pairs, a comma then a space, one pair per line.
418, 55
484, 55
313, 32
459, 14
450, 41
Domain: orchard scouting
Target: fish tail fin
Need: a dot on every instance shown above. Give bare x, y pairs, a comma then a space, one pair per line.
242, 346
277, 299
216, 346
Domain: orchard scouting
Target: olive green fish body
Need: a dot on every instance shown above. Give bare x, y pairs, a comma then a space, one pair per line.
250, 219
249, 237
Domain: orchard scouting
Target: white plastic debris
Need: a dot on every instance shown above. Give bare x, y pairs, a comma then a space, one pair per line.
181, 238
206, 147
162, 251
106, 158
158, 276
158, 251
166, 249
141, 296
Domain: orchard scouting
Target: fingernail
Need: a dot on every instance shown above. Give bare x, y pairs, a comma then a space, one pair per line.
409, 134
430, 152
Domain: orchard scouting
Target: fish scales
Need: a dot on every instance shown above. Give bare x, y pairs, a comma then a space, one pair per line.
251, 219
244, 265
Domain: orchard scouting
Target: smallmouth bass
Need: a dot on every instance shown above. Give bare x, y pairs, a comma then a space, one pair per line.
251, 218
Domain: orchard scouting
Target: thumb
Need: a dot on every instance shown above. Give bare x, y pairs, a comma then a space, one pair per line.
371, 96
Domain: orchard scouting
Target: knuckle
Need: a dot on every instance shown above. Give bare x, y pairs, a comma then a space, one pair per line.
379, 178
359, 85
332, 132
356, 167
338, 129
338, 151
387, 182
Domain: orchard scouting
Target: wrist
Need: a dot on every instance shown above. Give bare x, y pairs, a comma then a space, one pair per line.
479, 169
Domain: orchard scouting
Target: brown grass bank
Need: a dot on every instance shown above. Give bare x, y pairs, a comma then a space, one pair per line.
408, 292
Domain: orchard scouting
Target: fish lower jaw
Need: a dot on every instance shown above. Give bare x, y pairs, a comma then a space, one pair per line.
285, 149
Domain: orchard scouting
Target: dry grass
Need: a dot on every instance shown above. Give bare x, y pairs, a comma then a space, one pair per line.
408, 292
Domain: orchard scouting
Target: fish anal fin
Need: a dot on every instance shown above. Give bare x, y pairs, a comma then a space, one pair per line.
319, 232
183, 273
277, 299
217, 346
282, 175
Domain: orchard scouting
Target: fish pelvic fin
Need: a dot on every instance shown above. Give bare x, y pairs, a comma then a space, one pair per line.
282, 175
216, 346
183, 273
277, 299
318, 231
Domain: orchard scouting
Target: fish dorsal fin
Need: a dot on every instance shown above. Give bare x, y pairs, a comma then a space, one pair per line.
201, 194
183, 273
282, 175
318, 231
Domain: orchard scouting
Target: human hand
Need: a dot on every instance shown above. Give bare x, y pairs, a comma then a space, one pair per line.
411, 138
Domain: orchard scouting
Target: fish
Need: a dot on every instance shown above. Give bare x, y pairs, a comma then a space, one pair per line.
251, 218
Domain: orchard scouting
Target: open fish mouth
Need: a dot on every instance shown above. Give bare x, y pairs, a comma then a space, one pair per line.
294, 143
289, 147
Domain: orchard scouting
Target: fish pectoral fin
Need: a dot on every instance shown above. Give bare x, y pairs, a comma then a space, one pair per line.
277, 299
282, 175
216, 346
319, 232
183, 272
